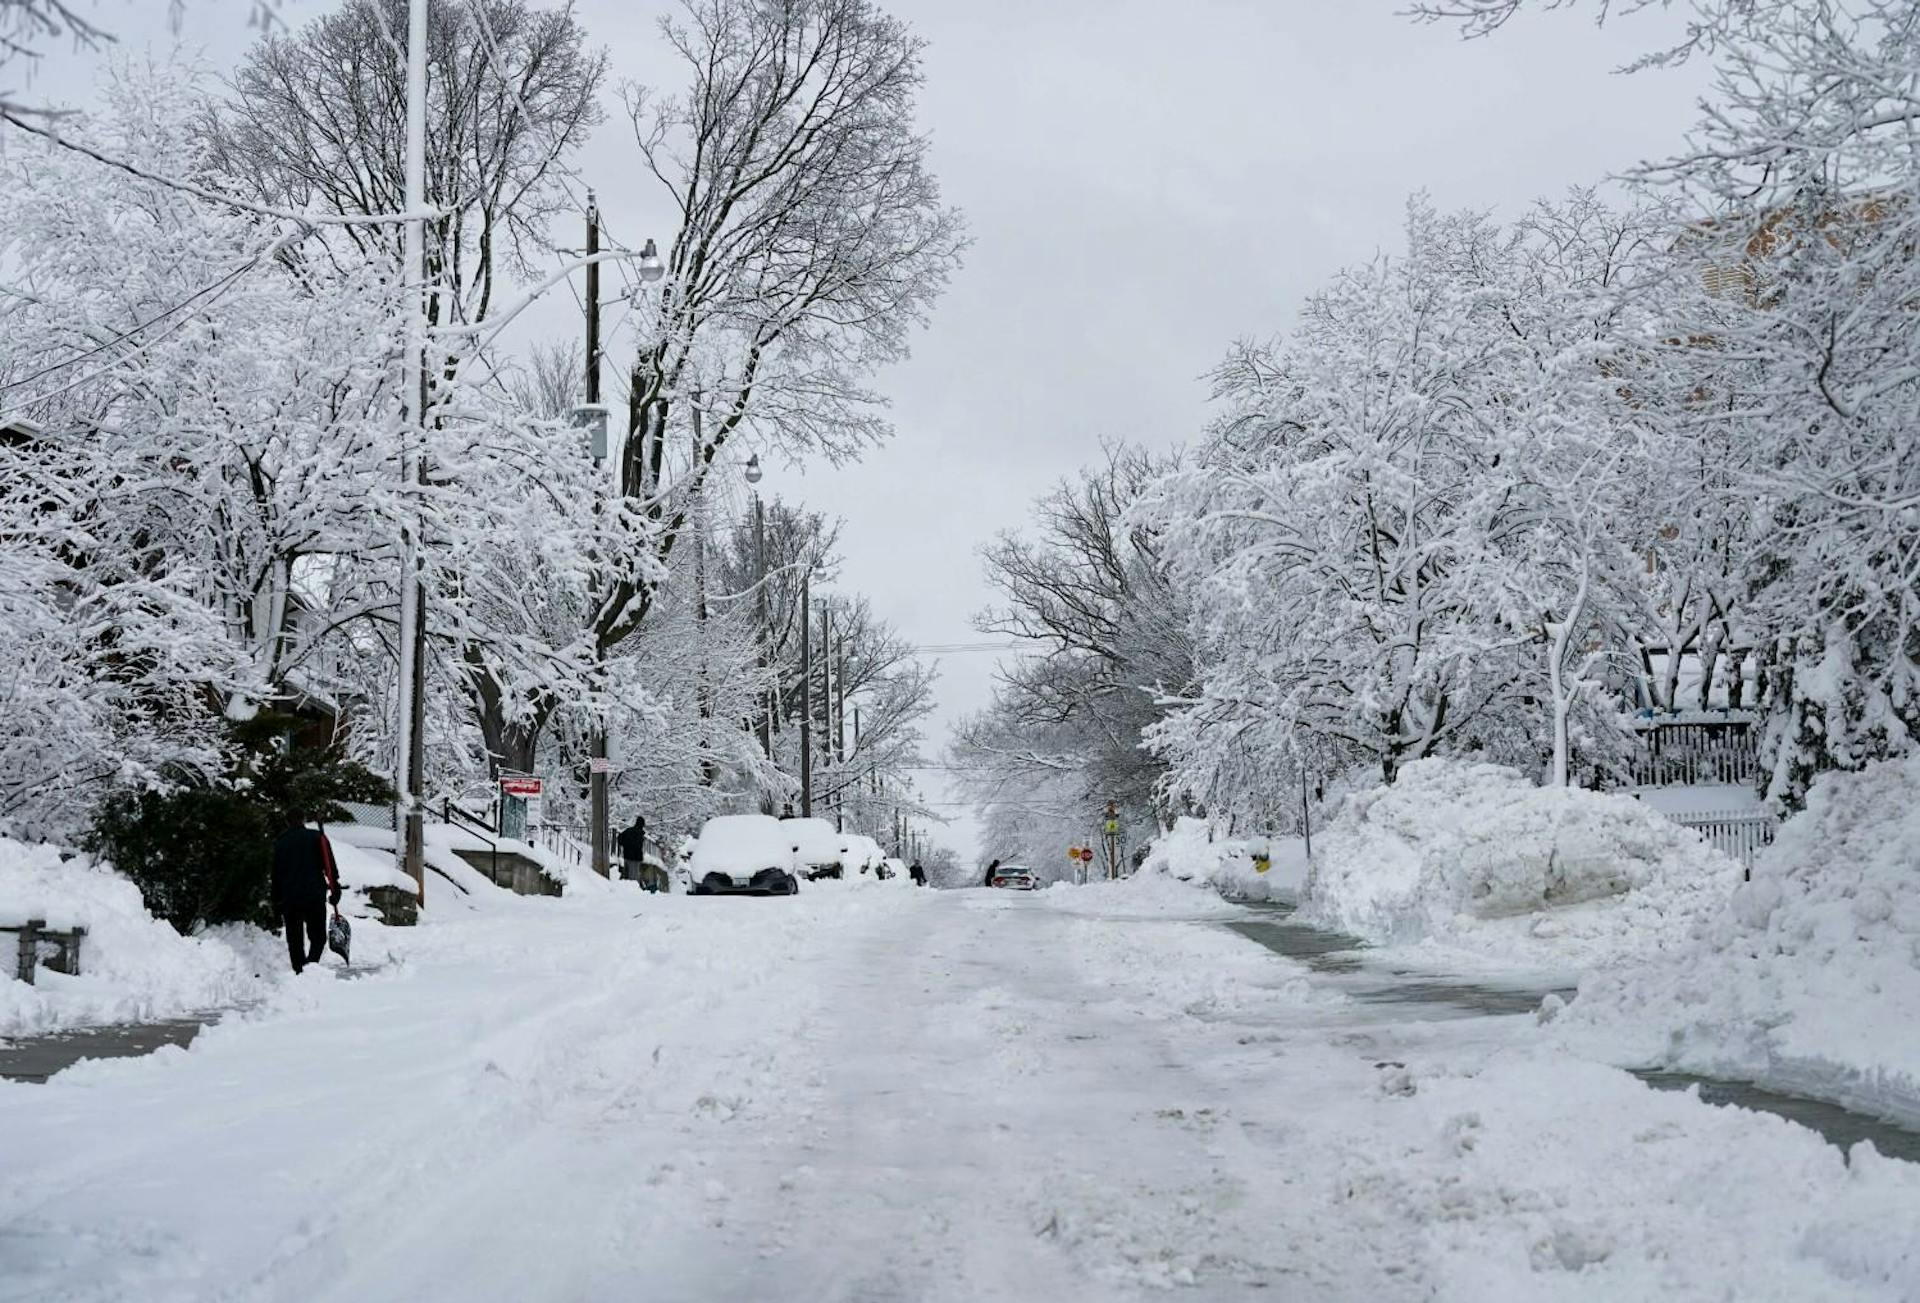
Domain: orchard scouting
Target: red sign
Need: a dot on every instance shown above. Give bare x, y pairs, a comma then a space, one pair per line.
520, 786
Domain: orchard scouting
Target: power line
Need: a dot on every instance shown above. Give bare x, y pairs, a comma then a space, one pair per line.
947, 648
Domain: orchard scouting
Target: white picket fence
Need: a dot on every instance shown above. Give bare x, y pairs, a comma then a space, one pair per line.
1737, 836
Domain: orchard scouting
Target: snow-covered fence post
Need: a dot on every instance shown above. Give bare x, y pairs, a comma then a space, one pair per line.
29, 952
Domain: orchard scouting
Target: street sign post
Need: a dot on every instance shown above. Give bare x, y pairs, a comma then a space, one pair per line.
519, 804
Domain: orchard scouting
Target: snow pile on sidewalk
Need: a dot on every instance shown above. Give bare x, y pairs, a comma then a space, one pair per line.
1474, 857
1810, 980
133, 967
1193, 853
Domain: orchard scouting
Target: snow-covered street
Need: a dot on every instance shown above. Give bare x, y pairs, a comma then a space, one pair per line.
881, 1094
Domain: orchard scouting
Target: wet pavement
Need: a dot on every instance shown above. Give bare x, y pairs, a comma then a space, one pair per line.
1842, 1126
1345, 956
1346, 959
36, 1058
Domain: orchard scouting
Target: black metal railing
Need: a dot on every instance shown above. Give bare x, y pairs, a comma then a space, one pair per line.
474, 824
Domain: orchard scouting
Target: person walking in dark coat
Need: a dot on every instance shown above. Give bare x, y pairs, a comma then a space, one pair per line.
305, 882
992, 869
918, 874
633, 852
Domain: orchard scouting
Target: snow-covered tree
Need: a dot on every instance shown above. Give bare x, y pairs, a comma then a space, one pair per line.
1800, 332
1062, 737
1412, 529
811, 240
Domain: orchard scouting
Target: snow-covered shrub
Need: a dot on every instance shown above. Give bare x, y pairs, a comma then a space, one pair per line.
1190, 853
202, 853
1193, 853
132, 965
1810, 978
1455, 846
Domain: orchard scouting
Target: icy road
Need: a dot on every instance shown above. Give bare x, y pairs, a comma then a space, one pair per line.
890, 1094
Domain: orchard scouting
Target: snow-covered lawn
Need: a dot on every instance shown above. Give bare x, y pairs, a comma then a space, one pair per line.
901, 1095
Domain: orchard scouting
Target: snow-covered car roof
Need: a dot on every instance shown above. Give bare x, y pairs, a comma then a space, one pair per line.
729, 843
818, 842
862, 850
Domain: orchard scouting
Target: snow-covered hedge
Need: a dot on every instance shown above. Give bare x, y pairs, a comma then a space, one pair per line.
1475, 856
132, 965
1192, 853
1810, 979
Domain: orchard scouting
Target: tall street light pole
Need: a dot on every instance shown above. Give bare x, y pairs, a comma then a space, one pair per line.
806, 697
597, 763
765, 721
410, 751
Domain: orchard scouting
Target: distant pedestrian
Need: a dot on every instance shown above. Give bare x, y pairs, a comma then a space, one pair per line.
918, 874
992, 869
633, 853
305, 882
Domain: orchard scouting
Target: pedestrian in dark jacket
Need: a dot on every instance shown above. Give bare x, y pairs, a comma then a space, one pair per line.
305, 882
633, 850
918, 874
992, 869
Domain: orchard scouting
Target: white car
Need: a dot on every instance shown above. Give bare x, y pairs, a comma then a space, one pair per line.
743, 854
1015, 877
818, 851
862, 854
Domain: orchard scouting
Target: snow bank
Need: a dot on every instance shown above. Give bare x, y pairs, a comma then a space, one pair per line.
1809, 981
133, 967
1474, 857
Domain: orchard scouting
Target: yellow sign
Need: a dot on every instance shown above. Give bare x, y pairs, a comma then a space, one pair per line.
1261, 864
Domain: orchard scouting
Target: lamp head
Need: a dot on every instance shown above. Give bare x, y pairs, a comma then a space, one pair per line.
651, 268
753, 469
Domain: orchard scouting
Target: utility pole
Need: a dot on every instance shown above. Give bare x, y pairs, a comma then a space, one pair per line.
840, 723
410, 751
806, 698
707, 771
826, 703
597, 764
760, 567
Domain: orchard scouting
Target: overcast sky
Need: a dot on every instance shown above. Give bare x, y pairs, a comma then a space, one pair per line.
1144, 183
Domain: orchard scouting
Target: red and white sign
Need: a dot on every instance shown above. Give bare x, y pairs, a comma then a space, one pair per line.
599, 765
527, 787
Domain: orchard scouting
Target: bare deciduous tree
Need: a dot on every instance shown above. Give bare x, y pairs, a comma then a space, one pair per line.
811, 240
319, 118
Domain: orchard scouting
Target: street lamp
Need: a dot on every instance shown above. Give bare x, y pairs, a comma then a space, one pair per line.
651, 268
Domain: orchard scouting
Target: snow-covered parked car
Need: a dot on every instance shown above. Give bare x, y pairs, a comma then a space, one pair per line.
862, 854
818, 850
743, 854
